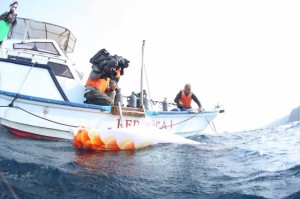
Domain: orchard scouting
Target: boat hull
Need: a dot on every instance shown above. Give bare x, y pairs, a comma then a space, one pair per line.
38, 118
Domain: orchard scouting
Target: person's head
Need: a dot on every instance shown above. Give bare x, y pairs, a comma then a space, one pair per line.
14, 6
187, 88
113, 84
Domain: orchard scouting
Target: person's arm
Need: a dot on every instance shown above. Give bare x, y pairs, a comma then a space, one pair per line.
14, 23
3, 16
196, 100
177, 99
11, 29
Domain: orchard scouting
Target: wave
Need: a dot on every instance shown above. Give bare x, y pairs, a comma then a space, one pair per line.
261, 163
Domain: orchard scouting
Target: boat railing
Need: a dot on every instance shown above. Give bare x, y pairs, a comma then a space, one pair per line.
26, 29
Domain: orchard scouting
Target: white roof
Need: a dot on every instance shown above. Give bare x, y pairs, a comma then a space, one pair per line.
31, 29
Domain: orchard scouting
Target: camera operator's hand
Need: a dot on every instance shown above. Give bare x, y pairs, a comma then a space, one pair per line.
200, 109
180, 103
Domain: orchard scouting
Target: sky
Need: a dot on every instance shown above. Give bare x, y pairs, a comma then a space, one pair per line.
242, 55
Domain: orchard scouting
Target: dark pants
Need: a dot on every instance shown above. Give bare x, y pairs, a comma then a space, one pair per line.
97, 97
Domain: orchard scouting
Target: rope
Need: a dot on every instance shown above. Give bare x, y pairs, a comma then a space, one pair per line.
11, 105
26, 77
17, 95
182, 120
148, 86
213, 128
11, 190
37, 115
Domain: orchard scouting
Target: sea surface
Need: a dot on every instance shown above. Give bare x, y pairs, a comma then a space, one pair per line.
262, 163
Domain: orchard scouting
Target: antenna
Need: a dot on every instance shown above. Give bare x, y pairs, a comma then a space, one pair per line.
142, 79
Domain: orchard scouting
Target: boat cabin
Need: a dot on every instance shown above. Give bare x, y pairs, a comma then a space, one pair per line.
36, 57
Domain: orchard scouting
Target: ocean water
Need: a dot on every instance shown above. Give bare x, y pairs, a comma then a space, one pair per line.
262, 163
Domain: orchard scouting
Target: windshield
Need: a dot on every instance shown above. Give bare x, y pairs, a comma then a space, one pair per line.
45, 47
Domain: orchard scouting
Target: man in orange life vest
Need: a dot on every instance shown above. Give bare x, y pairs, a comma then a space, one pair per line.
184, 99
97, 90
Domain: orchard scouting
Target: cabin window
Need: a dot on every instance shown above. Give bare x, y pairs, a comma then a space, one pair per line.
22, 59
45, 47
61, 70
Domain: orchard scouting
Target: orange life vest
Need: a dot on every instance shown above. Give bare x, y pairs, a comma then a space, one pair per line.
186, 99
100, 84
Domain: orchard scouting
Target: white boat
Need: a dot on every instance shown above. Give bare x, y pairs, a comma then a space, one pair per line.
42, 93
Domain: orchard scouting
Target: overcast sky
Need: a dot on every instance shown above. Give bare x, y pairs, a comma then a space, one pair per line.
244, 55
